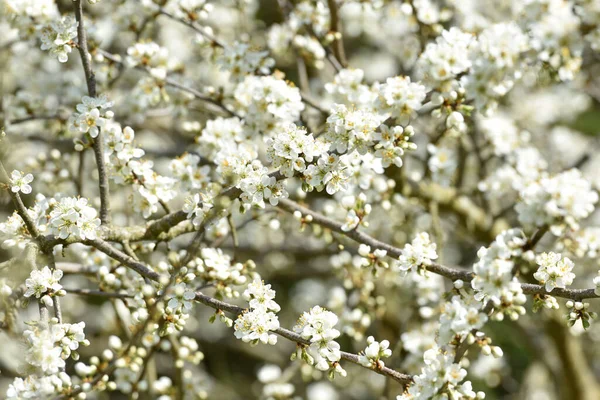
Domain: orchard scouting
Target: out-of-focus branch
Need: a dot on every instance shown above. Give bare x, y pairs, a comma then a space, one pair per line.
173, 83
189, 24
578, 379
335, 27
98, 293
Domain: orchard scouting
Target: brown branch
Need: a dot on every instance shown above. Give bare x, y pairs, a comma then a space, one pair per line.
98, 293
294, 337
335, 27
173, 83
123, 258
189, 24
448, 272
91, 86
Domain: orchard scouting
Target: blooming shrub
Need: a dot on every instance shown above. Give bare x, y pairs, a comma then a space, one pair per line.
402, 188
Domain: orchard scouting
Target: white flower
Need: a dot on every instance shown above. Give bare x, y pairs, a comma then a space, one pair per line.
554, 271
43, 281
213, 266
400, 97
418, 254
276, 390
187, 171
256, 325
258, 186
150, 56
181, 299
57, 37
260, 296
446, 58
442, 163
317, 326
267, 102
347, 88
43, 352
351, 222
91, 115
459, 317
38, 387
69, 337
240, 61
72, 216
20, 182
494, 278
292, 149
440, 374
196, 207
559, 201
596, 282
374, 352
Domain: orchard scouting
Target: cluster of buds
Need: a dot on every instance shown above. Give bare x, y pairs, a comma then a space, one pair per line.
579, 311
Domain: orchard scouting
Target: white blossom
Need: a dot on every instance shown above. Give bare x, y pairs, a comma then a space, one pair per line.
20, 182
91, 115
317, 326
418, 254
374, 352
58, 37
260, 296
554, 271
72, 216
44, 281
256, 325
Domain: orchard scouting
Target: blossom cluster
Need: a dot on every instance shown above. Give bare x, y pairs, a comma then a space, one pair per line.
357, 209
43, 282
374, 352
179, 305
441, 375
317, 326
151, 56
257, 324
213, 266
292, 150
554, 271
558, 201
47, 350
241, 61
267, 103
91, 115
494, 278
57, 37
72, 216
458, 318
151, 190
417, 255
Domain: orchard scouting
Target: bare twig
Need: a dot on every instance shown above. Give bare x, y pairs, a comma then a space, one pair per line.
173, 83
335, 27
98, 293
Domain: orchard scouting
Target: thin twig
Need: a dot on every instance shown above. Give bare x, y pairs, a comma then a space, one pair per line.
335, 27
448, 272
171, 82
98, 293
294, 337
91, 86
